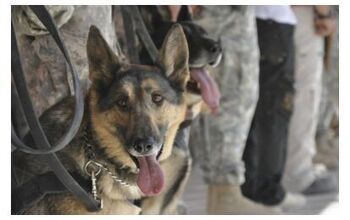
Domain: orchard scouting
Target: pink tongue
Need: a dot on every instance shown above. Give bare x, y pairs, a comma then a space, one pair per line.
209, 89
150, 179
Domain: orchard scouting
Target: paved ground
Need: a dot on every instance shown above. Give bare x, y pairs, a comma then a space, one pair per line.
195, 199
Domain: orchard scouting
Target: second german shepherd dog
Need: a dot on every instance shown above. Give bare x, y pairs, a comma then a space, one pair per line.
132, 115
203, 51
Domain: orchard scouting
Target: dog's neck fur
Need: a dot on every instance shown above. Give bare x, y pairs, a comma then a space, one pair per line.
108, 188
93, 151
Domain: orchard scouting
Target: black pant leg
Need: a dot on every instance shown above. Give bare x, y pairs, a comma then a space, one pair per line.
266, 147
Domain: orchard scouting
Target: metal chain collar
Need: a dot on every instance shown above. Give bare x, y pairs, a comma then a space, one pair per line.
94, 168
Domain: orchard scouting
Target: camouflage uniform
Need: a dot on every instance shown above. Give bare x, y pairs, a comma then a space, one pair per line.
44, 65
299, 171
330, 89
327, 135
218, 141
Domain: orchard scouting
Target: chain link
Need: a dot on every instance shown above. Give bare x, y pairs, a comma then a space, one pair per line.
94, 168
105, 169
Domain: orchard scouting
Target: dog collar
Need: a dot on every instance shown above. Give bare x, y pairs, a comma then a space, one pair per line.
92, 167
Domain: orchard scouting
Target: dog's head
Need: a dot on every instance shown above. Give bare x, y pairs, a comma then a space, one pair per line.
135, 109
203, 51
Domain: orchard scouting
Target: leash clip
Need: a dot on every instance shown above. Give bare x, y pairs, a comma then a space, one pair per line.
93, 169
92, 166
94, 189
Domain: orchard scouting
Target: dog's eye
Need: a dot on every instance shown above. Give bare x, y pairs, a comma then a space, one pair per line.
122, 102
156, 98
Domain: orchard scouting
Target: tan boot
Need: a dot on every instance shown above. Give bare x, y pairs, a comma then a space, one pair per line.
228, 200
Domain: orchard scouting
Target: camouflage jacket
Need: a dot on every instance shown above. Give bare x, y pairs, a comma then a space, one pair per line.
46, 72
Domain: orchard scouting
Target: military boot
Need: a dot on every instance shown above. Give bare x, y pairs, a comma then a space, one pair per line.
228, 200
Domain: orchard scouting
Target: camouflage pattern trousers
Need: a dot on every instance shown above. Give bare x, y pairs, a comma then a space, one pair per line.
217, 141
299, 172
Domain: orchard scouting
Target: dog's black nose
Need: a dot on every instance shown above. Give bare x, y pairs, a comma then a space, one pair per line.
215, 48
144, 145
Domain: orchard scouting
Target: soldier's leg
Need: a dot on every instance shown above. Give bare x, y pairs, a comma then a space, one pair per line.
218, 141
327, 135
265, 151
299, 173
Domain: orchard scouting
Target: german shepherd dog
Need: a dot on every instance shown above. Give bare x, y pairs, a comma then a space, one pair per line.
203, 51
132, 115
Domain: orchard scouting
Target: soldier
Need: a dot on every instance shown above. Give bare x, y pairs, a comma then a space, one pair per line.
327, 135
266, 148
314, 23
217, 142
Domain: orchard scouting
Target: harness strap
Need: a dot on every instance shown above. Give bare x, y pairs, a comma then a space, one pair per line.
36, 130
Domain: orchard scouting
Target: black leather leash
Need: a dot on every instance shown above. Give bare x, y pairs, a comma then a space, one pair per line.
131, 37
134, 19
21, 86
143, 34
41, 142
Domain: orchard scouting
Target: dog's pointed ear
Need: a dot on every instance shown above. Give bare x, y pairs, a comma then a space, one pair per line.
184, 14
174, 56
103, 62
